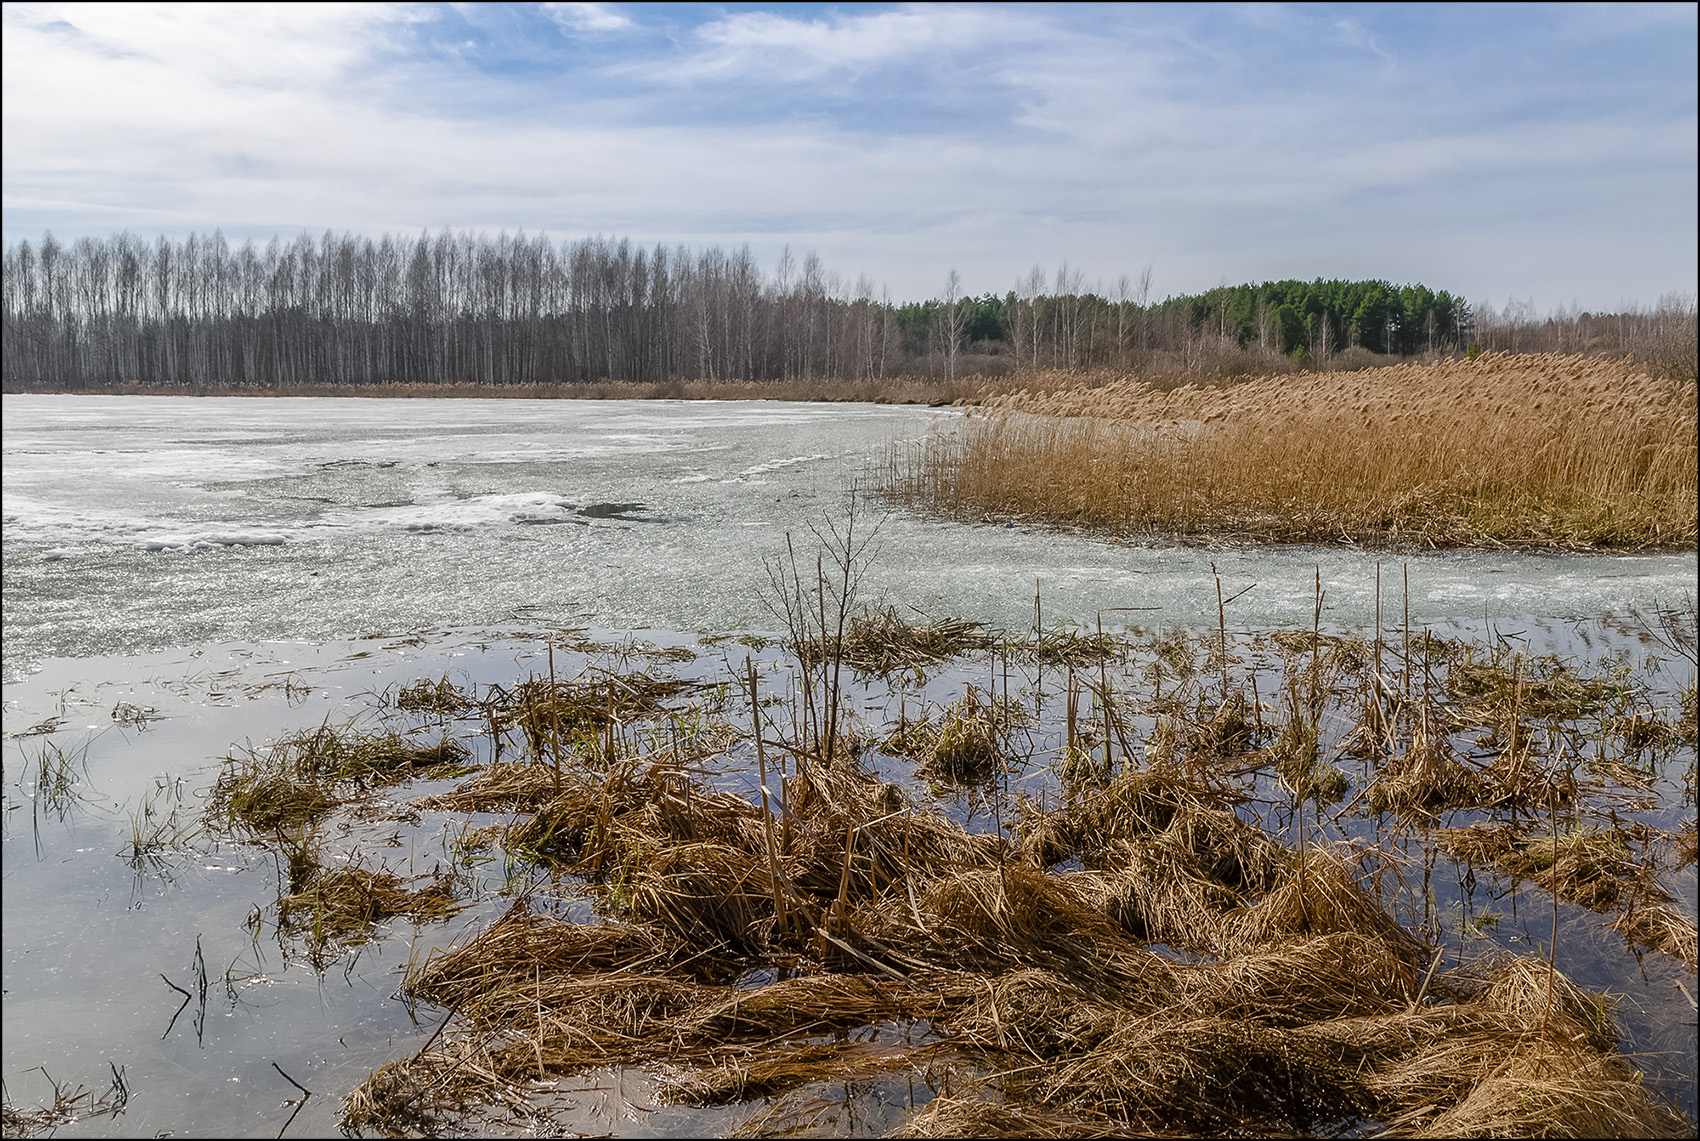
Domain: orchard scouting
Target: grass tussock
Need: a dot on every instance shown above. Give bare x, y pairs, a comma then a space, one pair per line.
963, 744
881, 641
1523, 451
1426, 780
743, 1077
441, 697
341, 905
1592, 867
301, 776
585, 714
947, 1116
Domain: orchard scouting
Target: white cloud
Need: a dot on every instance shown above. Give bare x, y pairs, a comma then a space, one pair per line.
242, 44
1112, 147
587, 17
1356, 35
768, 45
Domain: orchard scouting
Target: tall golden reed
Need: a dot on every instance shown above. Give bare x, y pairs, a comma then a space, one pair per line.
1533, 450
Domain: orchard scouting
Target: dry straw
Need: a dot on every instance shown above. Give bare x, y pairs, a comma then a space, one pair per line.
1142, 957
1306, 1004
1537, 450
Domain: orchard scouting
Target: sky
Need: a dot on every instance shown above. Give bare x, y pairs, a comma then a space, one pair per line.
1546, 154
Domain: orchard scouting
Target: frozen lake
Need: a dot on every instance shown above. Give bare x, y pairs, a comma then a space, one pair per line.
139, 523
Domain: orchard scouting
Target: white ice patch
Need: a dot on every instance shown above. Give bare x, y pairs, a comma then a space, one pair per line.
775, 465
694, 479
210, 540
44, 522
449, 514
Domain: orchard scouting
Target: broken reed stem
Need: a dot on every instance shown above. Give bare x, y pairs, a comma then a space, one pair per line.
1072, 703
1552, 947
554, 713
537, 1043
1440, 953
1313, 738
1038, 646
1375, 672
1406, 627
1104, 694
1316, 648
823, 733
1221, 631
780, 919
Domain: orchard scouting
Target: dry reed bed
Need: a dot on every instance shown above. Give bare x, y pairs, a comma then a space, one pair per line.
1573, 452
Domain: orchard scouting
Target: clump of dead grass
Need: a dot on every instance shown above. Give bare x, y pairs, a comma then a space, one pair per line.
1663, 928
881, 641
1426, 780
341, 905
745, 1076
441, 697
583, 714
302, 775
947, 1116
1592, 867
70, 1104
963, 744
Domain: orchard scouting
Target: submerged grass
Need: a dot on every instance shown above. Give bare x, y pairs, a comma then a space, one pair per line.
1593, 867
69, 1104
341, 905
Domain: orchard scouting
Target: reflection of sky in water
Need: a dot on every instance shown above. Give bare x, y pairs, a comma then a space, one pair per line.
136, 522
89, 934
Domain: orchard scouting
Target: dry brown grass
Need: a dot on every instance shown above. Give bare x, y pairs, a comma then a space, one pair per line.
1592, 867
1546, 450
946, 1116
1426, 780
341, 905
1309, 1009
964, 744
303, 775
1149, 957
881, 640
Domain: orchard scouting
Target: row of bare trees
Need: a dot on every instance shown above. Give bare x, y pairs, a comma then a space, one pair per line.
1520, 328
459, 308
449, 308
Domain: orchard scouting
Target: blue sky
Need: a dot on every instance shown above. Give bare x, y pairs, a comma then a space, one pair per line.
1538, 152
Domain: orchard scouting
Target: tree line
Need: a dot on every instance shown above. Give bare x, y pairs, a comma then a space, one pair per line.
459, 308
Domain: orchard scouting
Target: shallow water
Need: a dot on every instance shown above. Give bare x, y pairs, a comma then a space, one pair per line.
252, 567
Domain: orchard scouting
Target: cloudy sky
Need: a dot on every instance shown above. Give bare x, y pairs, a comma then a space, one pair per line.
1546, 153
